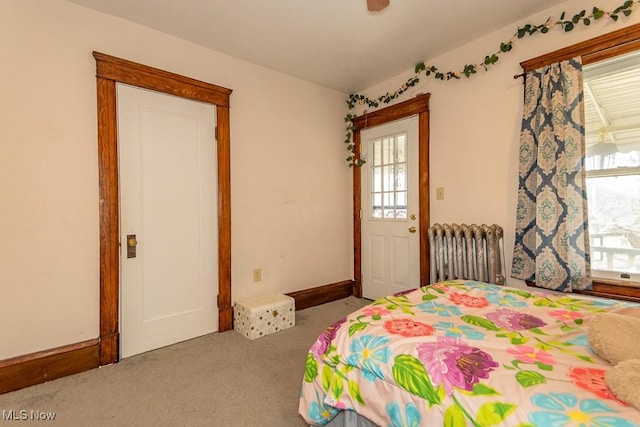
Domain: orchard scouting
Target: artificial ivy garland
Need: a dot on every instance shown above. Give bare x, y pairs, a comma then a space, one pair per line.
470, 69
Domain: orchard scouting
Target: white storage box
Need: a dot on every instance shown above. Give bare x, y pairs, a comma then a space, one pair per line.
255, 317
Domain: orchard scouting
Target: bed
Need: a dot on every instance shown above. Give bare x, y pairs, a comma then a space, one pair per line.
465, 353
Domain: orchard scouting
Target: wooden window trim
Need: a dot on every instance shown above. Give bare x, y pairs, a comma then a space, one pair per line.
420, 106
593, 50
597, 49
109, 71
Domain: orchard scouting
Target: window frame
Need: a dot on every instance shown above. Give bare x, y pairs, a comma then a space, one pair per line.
597, 49
391, 189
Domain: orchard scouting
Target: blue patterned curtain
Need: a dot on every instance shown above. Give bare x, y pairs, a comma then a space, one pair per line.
552, 238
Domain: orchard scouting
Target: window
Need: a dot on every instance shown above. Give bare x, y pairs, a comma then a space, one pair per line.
612, 130
389, 177
605, 167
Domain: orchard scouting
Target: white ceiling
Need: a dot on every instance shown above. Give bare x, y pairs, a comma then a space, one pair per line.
334, 43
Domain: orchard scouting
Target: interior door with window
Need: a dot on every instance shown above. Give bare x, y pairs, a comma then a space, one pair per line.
390, 216
168, 219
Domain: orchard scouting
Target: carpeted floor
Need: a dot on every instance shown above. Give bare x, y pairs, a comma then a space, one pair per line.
222, 379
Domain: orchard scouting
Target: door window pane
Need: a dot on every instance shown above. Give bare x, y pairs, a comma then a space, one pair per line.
377, 152
401, 177
387, 151
376, 200
389, 177
376, 179
401, 149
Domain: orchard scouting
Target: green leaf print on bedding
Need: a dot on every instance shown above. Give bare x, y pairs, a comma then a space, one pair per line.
410, 374
480, 321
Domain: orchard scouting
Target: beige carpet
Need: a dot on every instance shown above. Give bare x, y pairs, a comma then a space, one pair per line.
222, 379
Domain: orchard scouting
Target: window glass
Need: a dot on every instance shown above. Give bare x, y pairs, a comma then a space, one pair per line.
389, 177
377, 152
612, 131
401, 148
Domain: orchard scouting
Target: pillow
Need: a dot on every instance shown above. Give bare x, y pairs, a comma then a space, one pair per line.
615, 337
623, 380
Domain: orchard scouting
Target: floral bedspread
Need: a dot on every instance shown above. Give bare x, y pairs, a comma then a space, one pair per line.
463, 353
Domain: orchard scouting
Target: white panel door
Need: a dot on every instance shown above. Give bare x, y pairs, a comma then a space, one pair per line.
390, 230
168, 175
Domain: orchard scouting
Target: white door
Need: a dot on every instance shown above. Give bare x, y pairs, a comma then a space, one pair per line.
390, 233
168, 175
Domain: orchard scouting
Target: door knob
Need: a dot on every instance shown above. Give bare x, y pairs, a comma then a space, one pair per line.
132, 242
412, 229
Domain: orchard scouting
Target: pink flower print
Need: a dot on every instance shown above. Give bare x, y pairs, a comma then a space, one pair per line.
592, 379
408, 328
565, 314
514, 320
468, 300
440, 287
452, 363
375, 313
529, 354
339, 405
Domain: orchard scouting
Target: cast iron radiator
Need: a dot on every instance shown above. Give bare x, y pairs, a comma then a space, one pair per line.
460, 251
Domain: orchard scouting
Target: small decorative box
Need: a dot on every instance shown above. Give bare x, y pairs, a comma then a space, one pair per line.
255, 317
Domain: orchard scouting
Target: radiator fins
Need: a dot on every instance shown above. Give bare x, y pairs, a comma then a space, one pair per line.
460, 251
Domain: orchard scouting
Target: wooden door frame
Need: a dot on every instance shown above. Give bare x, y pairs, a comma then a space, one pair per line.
420, 106
109, 71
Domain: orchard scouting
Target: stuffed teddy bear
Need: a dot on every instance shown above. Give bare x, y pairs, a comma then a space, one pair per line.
616, 338
623, 380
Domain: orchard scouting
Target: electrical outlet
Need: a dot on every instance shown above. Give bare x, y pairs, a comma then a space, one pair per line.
440, 193
257, 275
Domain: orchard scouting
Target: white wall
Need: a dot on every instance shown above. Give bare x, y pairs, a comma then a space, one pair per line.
291, 189
475, 123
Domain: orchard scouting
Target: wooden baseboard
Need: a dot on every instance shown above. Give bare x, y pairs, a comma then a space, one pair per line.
322, 294
36, 368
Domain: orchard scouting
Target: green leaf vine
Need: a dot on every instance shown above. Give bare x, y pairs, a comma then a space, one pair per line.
566, 23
